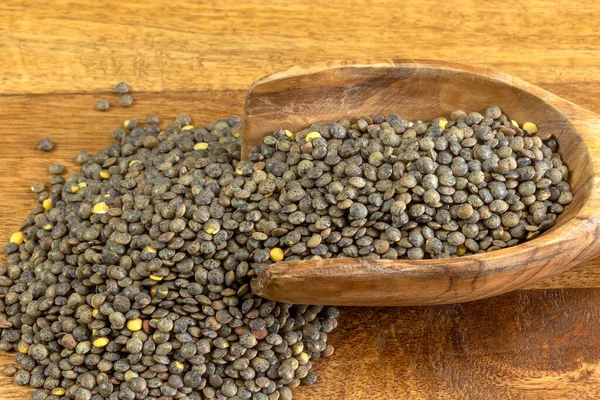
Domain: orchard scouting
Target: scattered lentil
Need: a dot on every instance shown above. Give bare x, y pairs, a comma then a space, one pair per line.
56, 169
45, 144
122, 88
38, 187
125, 100
102, 105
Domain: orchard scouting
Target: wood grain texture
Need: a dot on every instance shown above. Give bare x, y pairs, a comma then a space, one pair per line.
323, 92
75, 45
525, 345
66, 54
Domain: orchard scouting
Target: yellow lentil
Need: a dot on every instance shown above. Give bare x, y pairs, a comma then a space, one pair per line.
297, 348
276, 254
74, 188
47, 204
17, 238
530, 127
23, 347
100, 342
48, 227
126, 123
304, 357
58, 391
235, 134
312, 135
150, 249
100, 208
134, 325
156, 278
201, 146
187, 128
514, 123
104, 174
443, 123
129, 375
134, 162
293, 363
82, 184
289, 134
461, 250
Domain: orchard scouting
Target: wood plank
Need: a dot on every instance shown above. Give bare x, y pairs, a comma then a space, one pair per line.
78, 45
531, 345
525, 345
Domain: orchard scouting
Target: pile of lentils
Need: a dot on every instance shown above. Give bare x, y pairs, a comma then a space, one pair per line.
392, 188
131, 279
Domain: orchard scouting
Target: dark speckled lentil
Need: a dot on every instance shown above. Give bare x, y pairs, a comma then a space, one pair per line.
45, 144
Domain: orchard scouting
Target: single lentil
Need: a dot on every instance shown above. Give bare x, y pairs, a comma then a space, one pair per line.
102, 105
45, 144
122, 88
125, 100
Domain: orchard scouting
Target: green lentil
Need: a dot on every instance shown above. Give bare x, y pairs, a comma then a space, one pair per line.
45, 144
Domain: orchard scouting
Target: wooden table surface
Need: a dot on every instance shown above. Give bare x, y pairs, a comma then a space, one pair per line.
57, 58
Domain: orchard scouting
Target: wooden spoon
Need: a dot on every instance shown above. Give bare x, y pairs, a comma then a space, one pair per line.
321, 93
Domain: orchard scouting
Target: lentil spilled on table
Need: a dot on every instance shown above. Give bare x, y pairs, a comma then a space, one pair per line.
131, 279
45, 144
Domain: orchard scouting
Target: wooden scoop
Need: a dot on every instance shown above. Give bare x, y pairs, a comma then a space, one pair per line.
321, 93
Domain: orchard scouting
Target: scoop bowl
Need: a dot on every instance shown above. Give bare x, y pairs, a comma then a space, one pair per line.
321, 93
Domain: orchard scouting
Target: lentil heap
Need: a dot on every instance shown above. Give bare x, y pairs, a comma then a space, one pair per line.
392, 188
131, 279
